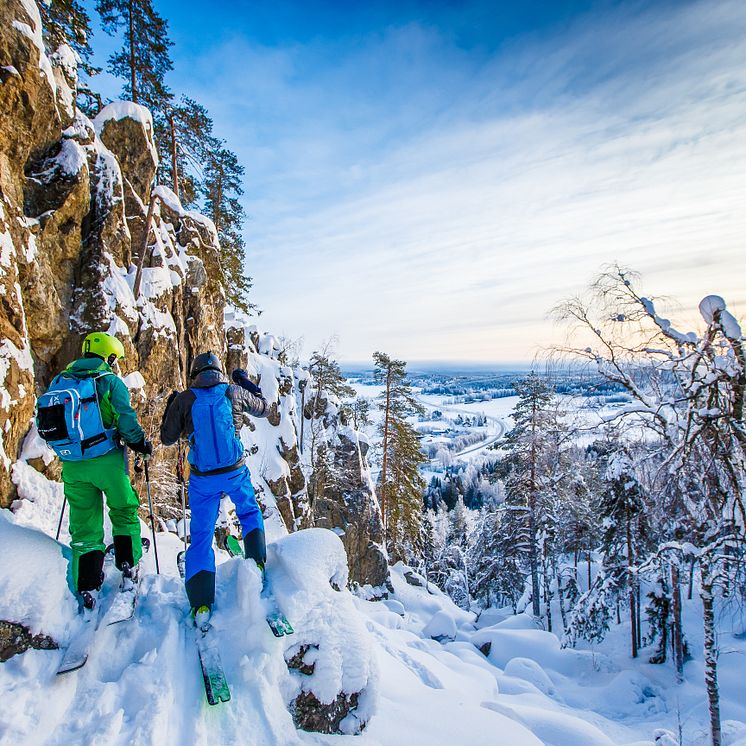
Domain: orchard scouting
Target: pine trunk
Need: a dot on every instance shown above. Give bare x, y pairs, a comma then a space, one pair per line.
144, 247
710, 653
533, 558
678, 637
690, 589
638, 611
302, 415
631, 584
385, 462
560, 595
133, 76
547, 594
174, 168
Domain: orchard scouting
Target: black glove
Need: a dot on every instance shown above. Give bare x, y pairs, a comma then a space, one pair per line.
145, 447
241, 377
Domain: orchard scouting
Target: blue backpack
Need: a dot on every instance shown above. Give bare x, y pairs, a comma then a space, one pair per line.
68, 417
213, 443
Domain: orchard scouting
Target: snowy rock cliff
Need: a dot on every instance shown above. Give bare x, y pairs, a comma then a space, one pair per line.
75, 195
74, 198
77, 253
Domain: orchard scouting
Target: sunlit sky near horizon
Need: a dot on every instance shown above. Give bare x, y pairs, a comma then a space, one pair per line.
431, 178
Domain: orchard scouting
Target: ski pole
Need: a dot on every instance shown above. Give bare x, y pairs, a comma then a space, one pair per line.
180, 472
181, 556
152, 518
62, 513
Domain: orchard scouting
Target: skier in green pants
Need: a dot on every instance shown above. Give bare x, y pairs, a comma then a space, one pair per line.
83, 416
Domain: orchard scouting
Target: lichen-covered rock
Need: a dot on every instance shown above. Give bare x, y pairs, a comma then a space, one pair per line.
73, 196
29, 119
16, 639
333, 671
310, 714
127, 131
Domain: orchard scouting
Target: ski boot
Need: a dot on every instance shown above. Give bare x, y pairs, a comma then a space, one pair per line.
130, 577
202, 617
87, 600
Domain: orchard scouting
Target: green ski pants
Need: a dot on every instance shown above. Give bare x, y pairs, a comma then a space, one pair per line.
84, 482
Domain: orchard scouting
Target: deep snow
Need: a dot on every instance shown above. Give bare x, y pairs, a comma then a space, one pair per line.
142, 682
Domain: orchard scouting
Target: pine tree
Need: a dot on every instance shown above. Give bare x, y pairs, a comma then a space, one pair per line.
222, 189
405, 488
360, 410
327, 376
186, 144
484, 558
67, 22
401, 485
143, 60
190, 145
526, 445
624, 512
433, 541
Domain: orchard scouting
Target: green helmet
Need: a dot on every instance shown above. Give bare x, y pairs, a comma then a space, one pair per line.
104, 345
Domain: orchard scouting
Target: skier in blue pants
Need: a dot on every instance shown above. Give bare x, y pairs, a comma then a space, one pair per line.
210, 415
204, 500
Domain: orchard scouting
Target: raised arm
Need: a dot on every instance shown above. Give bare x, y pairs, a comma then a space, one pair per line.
174, 418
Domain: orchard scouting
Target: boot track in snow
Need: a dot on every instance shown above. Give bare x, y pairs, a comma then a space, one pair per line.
276, 620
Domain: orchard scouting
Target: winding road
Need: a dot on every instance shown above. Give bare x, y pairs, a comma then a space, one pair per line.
493, 437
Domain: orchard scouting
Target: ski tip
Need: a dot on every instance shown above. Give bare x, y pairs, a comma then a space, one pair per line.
72, 666
216, 695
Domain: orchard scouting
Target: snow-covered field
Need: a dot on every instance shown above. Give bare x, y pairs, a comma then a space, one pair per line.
497, 412
430, 673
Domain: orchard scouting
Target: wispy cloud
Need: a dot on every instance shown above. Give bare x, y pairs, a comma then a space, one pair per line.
411, 195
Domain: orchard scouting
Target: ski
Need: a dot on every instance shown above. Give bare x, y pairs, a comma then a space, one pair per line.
125, 601
213, 676
181, 563
119, 609
277, 621
76, 653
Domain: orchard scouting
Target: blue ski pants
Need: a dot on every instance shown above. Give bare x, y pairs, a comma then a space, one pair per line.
204, 499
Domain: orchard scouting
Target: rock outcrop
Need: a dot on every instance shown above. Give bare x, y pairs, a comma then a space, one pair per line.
74, 196
344, 500
88, 242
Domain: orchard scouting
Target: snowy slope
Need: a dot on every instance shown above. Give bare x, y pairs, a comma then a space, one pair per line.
142, 682
493, 680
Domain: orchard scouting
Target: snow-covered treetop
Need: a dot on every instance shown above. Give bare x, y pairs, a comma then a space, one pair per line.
713, 310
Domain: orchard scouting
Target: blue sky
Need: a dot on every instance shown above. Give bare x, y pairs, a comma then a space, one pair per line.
431, 178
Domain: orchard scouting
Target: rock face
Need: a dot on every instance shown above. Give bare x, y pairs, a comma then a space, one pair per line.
88, 243
74, 200
344, 501
16, 639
